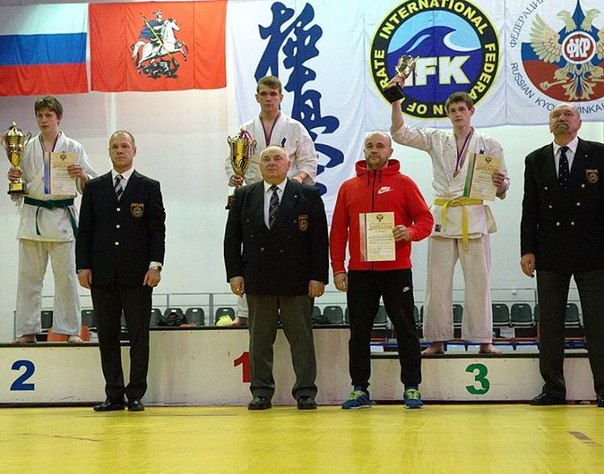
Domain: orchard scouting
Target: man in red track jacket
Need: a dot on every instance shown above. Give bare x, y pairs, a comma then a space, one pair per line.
379, 191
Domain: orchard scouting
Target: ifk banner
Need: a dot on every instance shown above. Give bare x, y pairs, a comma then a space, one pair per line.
43, 49
157, 46
554, 53
458, 46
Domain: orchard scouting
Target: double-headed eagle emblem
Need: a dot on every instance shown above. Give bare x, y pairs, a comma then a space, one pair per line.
577, 50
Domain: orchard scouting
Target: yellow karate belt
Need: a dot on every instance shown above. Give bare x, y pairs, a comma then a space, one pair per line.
463, 202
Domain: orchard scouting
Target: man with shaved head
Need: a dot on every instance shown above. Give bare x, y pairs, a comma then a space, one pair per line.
379, 190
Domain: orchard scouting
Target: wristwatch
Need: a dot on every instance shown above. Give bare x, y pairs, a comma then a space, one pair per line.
155, 266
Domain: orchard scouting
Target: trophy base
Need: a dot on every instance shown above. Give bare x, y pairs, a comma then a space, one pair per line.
17, 188
394, 93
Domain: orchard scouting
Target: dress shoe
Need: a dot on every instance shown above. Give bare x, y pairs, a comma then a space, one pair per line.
259, 403
74, 340
600, 402
25, 339
546, 399
135, 405
110, 405
307, 403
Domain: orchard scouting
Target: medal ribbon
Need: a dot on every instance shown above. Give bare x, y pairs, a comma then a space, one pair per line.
461, 153
267, 137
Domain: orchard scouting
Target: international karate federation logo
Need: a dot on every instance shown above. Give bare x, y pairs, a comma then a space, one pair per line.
457, 46
155, 52
567, 64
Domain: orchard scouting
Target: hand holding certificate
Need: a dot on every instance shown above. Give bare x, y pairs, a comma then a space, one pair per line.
377, 239
479, 180
58, 181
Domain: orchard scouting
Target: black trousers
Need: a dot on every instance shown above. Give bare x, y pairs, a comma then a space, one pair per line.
363, 296
135, 301
552, 290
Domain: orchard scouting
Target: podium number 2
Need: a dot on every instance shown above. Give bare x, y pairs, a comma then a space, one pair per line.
19, 383
480, 376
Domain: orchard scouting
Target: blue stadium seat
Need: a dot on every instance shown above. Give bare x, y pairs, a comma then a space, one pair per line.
572, 319
501, 315
334, 314
46, 319
224, 311
155, 314
381, 318
88, 318
457, 315
521, 315
196, 315
417, 315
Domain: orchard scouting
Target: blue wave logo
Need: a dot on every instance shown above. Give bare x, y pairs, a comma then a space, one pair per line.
455, 54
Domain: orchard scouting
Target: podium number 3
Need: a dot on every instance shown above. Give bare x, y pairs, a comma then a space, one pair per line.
20, 382
480, 376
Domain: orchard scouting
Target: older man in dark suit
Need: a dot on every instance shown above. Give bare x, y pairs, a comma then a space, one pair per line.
562, 236
119, 256
275, 251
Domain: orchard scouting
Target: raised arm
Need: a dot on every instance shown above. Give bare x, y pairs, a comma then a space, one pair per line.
397, 115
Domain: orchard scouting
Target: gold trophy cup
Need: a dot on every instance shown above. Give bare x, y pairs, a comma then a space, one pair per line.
14, 142
241, 147
404, 68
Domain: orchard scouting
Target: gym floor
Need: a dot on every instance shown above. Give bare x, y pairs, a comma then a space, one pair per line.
456, 438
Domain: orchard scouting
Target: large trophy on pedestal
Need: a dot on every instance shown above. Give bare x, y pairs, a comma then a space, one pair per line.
14, 142
241, 146
404, 68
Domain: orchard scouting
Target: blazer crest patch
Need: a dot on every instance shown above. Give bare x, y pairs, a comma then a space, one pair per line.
592, 176
137, 209
303, 222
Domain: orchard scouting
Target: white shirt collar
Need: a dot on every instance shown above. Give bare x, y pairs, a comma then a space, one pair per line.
572, 146
281, 185
125, 175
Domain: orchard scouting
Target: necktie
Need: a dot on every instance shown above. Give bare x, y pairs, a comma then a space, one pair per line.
563, 173
118, 186
273, 206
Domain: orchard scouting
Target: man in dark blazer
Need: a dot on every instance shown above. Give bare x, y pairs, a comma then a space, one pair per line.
275, 251
119, 256
562, 235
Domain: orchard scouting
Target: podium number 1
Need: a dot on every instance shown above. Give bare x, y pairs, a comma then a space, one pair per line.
244, 361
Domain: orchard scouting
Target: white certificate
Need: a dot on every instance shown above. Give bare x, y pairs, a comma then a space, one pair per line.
59, 181
479, 180
377, 241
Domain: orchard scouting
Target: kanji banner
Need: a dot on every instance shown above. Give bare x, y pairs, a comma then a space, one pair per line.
157, 46
317, 49
43, 49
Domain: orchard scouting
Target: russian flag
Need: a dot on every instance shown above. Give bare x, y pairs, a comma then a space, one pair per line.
43, 49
